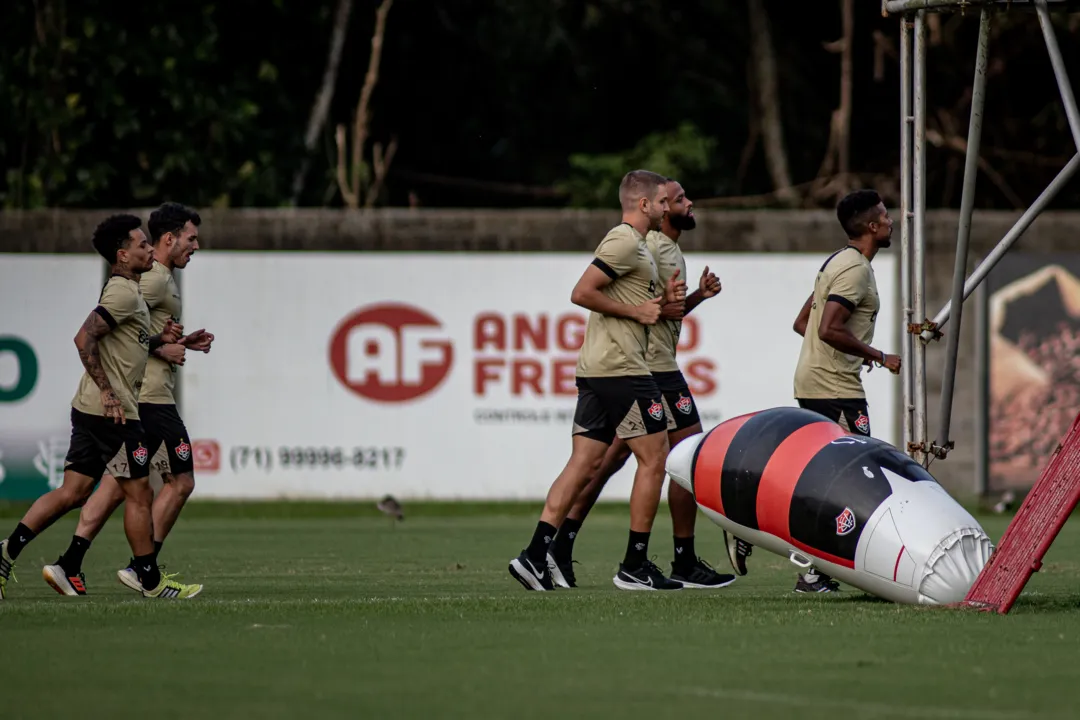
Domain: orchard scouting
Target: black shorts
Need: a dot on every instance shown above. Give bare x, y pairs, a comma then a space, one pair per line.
678, 402
167, 439
627, 407
852, 415
99, 443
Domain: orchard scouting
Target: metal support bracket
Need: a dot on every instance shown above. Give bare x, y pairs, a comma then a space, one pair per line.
927, 327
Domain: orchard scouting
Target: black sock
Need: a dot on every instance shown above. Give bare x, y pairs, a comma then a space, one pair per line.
18, 540
147, 570
562, 547
157, 548
537, 550
684, 552
72, 558
636, 550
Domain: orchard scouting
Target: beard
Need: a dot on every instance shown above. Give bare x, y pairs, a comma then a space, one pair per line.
682, 222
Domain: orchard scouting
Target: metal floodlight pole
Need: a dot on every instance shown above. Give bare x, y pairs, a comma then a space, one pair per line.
1055, 186
918, 269
906, 337
1011, 237
963, 234
1064, 86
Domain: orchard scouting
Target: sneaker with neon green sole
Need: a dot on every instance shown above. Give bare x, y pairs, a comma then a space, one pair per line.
169, 589
7, 567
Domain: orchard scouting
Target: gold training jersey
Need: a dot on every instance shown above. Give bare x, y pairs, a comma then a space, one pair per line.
665, 334
123, 351
163, 298
614, 346
824, 372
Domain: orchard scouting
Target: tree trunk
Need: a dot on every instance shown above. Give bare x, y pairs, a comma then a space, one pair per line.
772, 129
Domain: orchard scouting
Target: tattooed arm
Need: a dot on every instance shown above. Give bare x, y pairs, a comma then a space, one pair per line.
98, 324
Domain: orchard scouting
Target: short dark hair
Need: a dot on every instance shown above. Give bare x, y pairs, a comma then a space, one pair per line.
171, 217
638, 184
113, 234
853, 211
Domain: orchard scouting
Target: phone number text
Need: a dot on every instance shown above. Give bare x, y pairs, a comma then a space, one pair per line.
242, 457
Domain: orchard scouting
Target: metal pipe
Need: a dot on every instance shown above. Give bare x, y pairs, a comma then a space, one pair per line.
982, 390
896, 7
1062, 76
918, 269
906, 337
1011, 237
963, 233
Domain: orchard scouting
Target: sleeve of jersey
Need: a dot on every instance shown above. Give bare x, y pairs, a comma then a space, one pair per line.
616, 256
118, 303
849, 287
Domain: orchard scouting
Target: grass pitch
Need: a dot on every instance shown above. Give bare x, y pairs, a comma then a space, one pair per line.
324, 611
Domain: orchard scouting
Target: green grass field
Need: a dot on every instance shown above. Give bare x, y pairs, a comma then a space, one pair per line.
324, 611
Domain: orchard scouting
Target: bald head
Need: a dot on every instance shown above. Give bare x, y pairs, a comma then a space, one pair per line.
638, 184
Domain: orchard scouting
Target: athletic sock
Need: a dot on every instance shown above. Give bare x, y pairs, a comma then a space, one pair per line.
18, 540
636, 549
537, 550
684, 553
147, 570
72, 558
157, 548
562, 547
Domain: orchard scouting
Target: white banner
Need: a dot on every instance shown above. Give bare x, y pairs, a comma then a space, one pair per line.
45, 299
451, 376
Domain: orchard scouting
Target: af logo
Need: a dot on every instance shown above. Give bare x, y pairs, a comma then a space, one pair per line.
140, 454
845, 522
183, 450
684, 405
656, 410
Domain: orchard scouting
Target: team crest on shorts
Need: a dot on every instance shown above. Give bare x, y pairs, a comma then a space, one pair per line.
140, 454
183, 450
862, 423
656, 410
845, 522
684, 405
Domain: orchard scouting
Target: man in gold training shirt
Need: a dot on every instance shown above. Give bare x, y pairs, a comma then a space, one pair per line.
840, 315
687, 568
617, 394
174, 230
106, 433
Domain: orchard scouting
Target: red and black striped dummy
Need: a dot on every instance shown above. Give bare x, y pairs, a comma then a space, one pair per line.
798, 476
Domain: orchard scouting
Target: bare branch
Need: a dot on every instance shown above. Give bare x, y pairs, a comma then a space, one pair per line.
381, 166
321, 108
347, 194
959, 145
363, 112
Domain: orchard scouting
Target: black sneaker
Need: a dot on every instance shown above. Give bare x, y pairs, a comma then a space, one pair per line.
700, 575
562, 574
529, 575
737, 552
822, 584
646, 577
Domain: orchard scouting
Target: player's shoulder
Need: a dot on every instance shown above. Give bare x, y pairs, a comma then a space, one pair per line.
843, 260
120, 294
623, 232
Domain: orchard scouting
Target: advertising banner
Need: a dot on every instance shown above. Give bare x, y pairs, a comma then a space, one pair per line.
45, 300
451, 376
1034, 363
